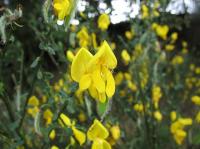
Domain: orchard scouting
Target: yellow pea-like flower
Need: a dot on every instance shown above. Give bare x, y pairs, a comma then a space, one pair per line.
103, 22
62, 8
78, 134
93, 71
98, 133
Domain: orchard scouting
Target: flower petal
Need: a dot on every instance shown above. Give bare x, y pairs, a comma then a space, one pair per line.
100, 144
98, 81
85, 82
79, 135
97, 130
110, 86
80, 64
65, 119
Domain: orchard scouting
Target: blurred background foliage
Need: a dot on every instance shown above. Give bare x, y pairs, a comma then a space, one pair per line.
157, 77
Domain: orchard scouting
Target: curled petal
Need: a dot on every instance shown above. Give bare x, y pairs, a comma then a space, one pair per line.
79, 135
80, 64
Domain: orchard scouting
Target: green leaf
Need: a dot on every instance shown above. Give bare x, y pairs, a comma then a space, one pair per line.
37, 123
102, 108
35, 62
45, 10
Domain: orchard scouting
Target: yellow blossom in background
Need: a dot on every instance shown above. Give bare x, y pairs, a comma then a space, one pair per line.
169, 47
115, 132
156, 95
93, 72
177, 129
33, 101
103, 22
174, 37
177, 60
98, 133
62, 8
52, 134
129, 34
79, 135
157, 115
139, 108
84, 37
113, 46
125, 56
132, 86
145, 11
94, 41
196, 100
197, 118
48, 116
70, 56
82, 117
161, 30
173, 115
54, 147
119, 78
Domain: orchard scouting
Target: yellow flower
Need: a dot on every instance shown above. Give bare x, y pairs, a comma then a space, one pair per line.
82, 117
70, 55
129, 34
94, 41
156, 95
145, 12
103, 22
48, 115
33, 111
93, 72
177, 129
52, 134
169, 47
84, 38
198, 117
132, 86
33, 101
196, 100
161, 30
54, 147
62, 8
177, 60
179, 136
174, 36
115, 132
139, 108
119, 78
98, 133
79, 135
125, 56
173, 115
156, 13
158, 116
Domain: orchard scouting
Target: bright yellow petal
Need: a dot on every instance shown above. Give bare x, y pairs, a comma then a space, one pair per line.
65, 119
102, 97
100, 144
93, 92
97, 130
98, 81
80, 64
79, 135
110, 86
109, 57
104, 56
85, 82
